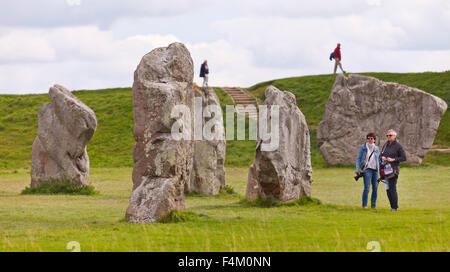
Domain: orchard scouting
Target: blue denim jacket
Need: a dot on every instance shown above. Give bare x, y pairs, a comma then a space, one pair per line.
361, 158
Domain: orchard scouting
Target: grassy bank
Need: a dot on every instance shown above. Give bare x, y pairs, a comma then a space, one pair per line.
113, 141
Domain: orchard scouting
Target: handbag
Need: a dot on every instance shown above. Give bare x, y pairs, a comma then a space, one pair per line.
386, 169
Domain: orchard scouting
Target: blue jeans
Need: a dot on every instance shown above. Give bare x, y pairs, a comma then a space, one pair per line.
370, 178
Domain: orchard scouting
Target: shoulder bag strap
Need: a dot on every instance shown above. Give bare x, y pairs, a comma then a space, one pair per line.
367, 163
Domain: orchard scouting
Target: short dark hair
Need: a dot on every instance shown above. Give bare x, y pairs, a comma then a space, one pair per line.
371, 135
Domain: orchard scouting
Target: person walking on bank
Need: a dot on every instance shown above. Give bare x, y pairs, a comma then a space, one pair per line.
368, 163
204, 71
393, 153
337, 58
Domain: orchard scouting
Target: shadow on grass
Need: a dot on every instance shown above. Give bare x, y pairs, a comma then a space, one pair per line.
217, 207
271, 202
226, 191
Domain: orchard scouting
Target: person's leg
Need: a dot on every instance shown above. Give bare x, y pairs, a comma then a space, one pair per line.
374, 181
389, 193
392, 193
336, 61
393, 187
340, 66
206, 80
365, 195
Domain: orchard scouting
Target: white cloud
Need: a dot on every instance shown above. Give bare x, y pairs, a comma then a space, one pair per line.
97, 45
25, 45
79, 57
51, 13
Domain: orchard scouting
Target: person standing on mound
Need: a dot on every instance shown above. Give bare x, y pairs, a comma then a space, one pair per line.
204, 71
337, 58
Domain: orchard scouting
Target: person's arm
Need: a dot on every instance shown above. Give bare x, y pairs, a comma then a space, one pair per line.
401, 155
358, 158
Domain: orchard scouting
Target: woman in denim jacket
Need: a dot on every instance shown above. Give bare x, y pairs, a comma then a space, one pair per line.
368, 162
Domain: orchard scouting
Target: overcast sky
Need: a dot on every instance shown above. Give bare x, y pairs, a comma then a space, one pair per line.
92, 44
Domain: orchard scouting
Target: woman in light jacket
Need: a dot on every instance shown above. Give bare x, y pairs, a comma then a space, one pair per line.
368, 163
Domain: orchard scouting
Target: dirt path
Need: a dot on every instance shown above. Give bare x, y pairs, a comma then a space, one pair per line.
440, 148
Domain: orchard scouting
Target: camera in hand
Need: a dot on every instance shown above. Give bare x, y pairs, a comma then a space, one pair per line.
358, 175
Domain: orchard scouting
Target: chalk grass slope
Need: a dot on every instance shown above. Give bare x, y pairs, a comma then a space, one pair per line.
113, 141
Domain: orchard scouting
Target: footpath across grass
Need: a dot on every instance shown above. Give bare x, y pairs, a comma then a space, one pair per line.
225, 223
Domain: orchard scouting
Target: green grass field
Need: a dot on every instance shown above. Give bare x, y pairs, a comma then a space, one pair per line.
48, 223
224, 223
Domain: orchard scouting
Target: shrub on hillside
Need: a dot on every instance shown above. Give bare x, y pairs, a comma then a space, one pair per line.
59, 188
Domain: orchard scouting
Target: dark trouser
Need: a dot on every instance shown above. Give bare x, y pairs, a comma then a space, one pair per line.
392, 192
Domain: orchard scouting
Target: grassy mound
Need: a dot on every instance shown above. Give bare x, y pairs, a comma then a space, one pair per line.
60, 188
114, 111
312, 94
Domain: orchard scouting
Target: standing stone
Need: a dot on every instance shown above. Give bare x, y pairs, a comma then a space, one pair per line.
359, 104
208, 175
59, 151
162, 165
285, 173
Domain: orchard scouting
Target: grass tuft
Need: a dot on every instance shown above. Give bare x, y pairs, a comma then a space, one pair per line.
271, 202
176, 216
194, 194
60, 188
227, 190
304, 201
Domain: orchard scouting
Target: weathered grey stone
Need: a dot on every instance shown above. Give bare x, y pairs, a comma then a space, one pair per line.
162, 166
359, 104
208, 175
59, 151
285, 173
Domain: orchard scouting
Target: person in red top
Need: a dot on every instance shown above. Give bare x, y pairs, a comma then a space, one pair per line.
337, 58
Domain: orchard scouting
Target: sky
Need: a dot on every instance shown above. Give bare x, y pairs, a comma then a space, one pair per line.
96, 44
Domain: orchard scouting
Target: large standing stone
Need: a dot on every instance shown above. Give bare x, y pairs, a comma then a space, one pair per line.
208, 175
163, 79
359, 104
285, 173
59, 151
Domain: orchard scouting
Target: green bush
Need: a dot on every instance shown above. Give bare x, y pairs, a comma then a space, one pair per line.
60, 188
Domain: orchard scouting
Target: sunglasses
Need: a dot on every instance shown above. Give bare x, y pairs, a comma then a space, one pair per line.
370, 138
389, 135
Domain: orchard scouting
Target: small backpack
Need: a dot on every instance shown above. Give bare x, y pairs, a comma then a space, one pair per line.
332, 56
